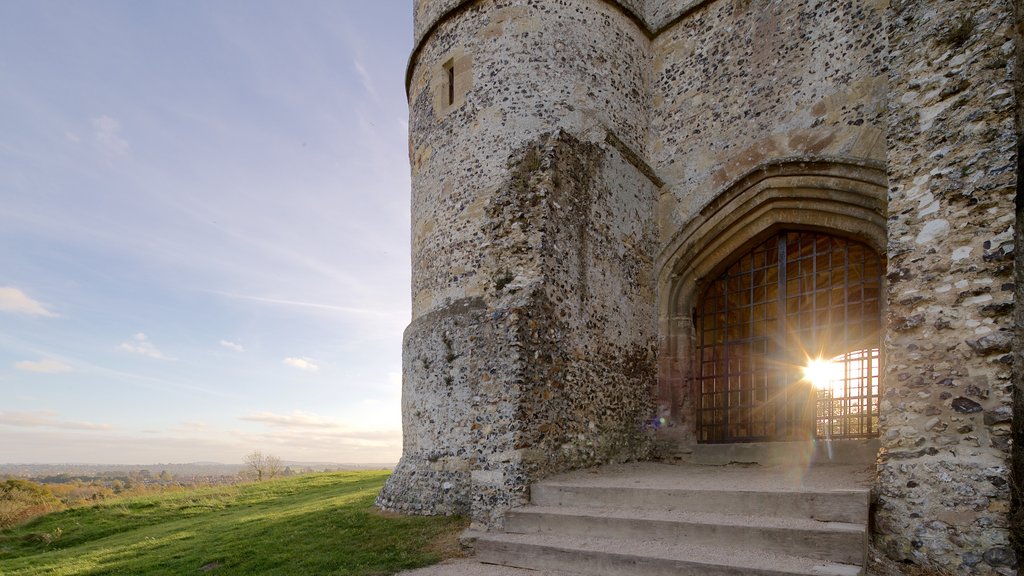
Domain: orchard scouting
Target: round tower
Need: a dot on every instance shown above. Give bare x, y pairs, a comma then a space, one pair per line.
531, 348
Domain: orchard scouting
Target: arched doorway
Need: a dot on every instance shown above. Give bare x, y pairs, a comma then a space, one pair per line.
787, 342
830, 197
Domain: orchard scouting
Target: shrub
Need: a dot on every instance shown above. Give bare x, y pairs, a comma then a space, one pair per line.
21, 500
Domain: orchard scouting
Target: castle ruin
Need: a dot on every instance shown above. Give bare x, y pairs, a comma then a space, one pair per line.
635, 222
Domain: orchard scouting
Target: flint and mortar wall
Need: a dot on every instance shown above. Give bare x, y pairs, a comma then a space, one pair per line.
531, 346
1017, 424
514, 325
739, 85
428, 13
547, 371
736, 84
586, 328
946, 427
575, 65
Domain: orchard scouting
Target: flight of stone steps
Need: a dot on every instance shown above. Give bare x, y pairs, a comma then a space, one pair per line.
656, 519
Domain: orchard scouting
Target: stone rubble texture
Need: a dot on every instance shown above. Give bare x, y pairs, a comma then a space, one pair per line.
599, 158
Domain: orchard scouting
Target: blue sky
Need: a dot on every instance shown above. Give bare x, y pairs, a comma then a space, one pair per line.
204, 230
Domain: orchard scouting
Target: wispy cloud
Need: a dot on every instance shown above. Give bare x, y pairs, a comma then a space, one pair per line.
107, 135
46, 366
232, 345
364, 77
296, 419
48, 419
298, 424
302, 364
41, 444
140, 344
192, 426
148, 382
72, 137
14, 300
345, 309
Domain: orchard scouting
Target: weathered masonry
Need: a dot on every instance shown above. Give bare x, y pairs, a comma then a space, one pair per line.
637, 222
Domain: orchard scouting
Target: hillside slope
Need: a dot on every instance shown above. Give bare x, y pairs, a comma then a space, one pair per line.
314, 524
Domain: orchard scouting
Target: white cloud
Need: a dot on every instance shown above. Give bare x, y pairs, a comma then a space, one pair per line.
140, 344
46, 366
14, 300
72, 137
46, 418
302, 364
107, 134
232, 345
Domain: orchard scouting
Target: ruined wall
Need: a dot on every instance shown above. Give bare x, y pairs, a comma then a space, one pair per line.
952, 175
531, 346
552, 368
582, 214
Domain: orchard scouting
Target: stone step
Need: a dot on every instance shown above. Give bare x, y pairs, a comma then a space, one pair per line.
848, 506
600, 556
830, 541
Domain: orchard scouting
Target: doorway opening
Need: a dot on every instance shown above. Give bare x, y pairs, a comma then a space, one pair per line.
787, 342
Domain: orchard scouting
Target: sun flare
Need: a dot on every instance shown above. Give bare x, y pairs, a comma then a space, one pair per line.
822, 373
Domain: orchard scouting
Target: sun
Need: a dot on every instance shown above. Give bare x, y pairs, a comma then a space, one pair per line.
822, 373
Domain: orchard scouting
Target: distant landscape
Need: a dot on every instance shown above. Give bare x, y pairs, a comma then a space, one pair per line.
74, 485
30, 490
180, 472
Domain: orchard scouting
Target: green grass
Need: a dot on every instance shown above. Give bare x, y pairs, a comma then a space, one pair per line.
308, 525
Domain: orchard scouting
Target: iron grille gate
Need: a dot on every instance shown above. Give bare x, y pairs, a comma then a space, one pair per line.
794, 297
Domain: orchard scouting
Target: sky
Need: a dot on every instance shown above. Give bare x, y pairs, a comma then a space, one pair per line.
204, 230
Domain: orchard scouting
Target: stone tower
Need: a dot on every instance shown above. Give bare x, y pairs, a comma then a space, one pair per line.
631, 217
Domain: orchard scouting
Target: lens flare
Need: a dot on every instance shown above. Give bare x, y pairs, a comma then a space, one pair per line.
822, 373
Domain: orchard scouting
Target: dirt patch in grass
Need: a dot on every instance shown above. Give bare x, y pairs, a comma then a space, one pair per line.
384, 513
447, 544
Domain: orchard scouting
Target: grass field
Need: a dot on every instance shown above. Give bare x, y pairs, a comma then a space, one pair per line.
307, 525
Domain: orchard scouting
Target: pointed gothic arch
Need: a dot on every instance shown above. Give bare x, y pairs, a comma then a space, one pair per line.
826, 198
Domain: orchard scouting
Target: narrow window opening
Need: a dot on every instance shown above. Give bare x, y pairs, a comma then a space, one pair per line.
449, 70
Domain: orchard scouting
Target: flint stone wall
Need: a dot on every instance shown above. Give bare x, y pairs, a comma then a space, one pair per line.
572, 65
552, 368
947, 406
739, 84
586, 134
